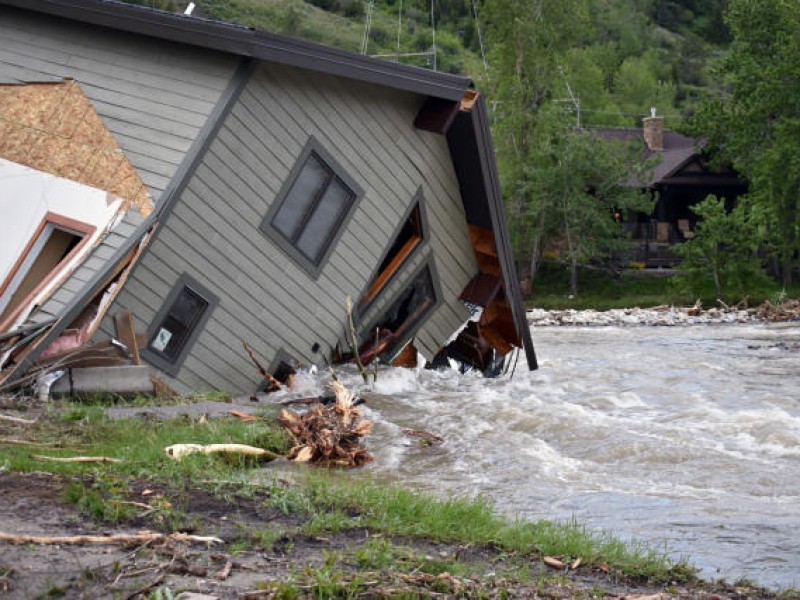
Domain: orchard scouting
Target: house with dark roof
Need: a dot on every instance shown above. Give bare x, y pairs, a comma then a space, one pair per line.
681, 177
286, 178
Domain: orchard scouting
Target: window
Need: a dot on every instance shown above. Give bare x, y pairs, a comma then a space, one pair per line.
309, 213
178, 324
399, 322
408, 238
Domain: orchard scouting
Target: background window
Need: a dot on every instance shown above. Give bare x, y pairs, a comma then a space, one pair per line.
310, 211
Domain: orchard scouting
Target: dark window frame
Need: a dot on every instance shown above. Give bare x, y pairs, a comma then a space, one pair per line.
381, 279
367, 334
313, 148
160, 359
281, 356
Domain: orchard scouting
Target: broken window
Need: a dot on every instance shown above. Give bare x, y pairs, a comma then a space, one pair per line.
57, 240
398, 323
310, 211
408, 238
178, 323
281, 372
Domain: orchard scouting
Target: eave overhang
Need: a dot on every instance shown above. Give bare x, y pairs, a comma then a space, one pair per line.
247, 42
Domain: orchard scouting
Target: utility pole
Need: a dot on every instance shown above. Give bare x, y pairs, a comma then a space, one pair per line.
576, 102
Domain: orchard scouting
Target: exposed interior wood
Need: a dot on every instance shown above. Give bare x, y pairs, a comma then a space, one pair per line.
120, 274
496, 325
53, 127
396, 261
100, 354
469, 100
126, 333
407, 358
485, 248
482, 289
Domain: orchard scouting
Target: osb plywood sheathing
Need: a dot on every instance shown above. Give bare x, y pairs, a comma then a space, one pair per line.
53, 127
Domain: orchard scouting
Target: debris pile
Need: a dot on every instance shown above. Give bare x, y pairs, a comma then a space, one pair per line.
330, 436
785, 311
668, 316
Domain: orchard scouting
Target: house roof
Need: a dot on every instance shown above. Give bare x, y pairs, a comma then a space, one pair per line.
248, 42
678, 149
253, 44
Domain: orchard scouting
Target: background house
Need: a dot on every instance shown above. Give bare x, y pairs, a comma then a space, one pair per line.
681, 177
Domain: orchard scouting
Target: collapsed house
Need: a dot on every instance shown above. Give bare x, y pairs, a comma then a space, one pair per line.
284, 176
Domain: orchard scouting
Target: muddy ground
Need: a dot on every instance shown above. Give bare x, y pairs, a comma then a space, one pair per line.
244, 567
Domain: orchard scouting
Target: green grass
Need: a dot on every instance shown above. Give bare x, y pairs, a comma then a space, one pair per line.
396, 511
79, 430
602, 290
324, 502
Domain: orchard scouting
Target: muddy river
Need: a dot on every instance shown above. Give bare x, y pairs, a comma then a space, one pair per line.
685, 437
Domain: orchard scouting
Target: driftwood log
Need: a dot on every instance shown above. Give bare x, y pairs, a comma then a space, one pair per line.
178, 451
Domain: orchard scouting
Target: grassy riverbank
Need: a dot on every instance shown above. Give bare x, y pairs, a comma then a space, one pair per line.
602, 290
330, 535
287, 531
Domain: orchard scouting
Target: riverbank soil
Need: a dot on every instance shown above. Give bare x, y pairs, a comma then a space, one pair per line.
264, 554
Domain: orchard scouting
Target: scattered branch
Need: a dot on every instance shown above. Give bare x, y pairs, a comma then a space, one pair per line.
19, 420
264, 373
353, 339
119, 538
244, 416
425, 435
76, 459
16, 442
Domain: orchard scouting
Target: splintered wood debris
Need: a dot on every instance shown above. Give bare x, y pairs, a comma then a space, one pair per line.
330, 436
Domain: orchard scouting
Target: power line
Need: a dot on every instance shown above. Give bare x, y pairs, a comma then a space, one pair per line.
575, 101
480, 37
433, 33
399, 29
367, 26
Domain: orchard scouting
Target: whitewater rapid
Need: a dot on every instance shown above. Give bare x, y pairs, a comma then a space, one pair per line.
685, 437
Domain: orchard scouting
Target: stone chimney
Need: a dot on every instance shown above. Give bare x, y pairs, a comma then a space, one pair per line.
653, 131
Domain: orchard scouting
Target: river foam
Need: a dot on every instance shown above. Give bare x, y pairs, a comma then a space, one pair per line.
687, 437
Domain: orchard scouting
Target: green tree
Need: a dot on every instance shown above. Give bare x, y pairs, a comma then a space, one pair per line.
757, 129
724, 249
580, 186
527, 40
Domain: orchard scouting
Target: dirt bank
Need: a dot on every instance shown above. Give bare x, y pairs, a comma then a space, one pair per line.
254, 563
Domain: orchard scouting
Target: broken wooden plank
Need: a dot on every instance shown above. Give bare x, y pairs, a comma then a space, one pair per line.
126, 333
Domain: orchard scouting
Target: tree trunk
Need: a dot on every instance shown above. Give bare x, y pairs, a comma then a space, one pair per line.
573, 276
533, 266
571, 251
717, 281
788, 239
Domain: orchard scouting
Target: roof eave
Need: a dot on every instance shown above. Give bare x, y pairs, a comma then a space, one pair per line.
494, 199
248, 42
